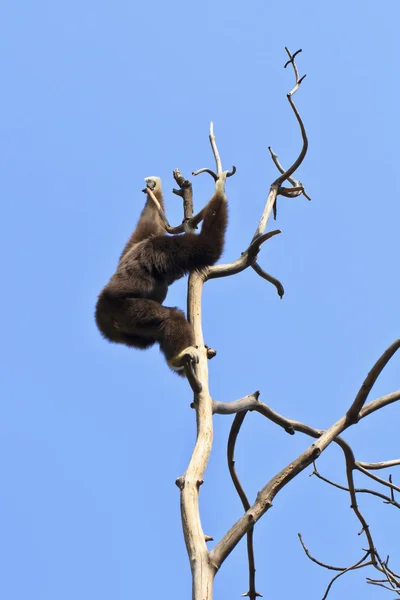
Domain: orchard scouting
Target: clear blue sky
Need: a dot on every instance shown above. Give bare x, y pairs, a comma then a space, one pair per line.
96, 96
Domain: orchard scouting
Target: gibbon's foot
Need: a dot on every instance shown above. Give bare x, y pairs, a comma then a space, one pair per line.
188, 355
184, 363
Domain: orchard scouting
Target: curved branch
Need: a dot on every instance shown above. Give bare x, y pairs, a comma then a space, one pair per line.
353, 414
270, 278
379, 403
265, 497
294, 182
289, 172
303, 151
205, 170
318, 562
230, 408
248, 257
234, 432
376, 478
379, 465
358, 565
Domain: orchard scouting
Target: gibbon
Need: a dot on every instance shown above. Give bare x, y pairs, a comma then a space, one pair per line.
130, 308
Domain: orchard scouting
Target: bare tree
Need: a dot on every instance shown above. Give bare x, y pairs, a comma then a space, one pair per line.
204, 563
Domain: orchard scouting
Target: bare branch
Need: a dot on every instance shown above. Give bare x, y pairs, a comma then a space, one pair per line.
252, 403
350, 466
271, 200
377, 479
185, 191
304, 149
386, 587
290, 192
386, 499
236, 425
379, 403
296, 72
269, 491
379, 465
205, 170
213, 143
357, 565
289, 172
318, 562
248, 257
218, 163
203, 570
230, 408
270, 278
353, 413
294, 182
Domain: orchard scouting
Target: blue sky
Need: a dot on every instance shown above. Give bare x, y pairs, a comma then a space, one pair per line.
96, 96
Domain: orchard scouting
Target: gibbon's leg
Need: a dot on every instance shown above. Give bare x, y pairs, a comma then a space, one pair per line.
108, 326
150, 222
133, 317
174, 256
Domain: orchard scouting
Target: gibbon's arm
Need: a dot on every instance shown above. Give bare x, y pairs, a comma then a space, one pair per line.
150, 222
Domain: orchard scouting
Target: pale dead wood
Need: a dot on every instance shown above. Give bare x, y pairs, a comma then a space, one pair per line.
203, 570
204, 564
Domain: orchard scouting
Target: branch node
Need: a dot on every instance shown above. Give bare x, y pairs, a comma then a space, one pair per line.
210, 352
180, 482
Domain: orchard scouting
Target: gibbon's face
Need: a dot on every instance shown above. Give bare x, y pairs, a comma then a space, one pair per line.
153, 182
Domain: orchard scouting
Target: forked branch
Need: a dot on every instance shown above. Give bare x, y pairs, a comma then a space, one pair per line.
204, 564
272, 488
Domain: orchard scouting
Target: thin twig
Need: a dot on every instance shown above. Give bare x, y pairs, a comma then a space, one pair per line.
386, 499
376, 478
234, 432
270, 278
358, 565
350, 466
382, 585
315, 560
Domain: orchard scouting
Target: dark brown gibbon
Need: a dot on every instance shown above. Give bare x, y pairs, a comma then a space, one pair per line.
129, 309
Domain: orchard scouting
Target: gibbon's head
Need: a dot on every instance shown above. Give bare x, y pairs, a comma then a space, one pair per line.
154, 183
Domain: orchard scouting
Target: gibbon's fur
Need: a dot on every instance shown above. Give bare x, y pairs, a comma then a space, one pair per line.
129, 309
